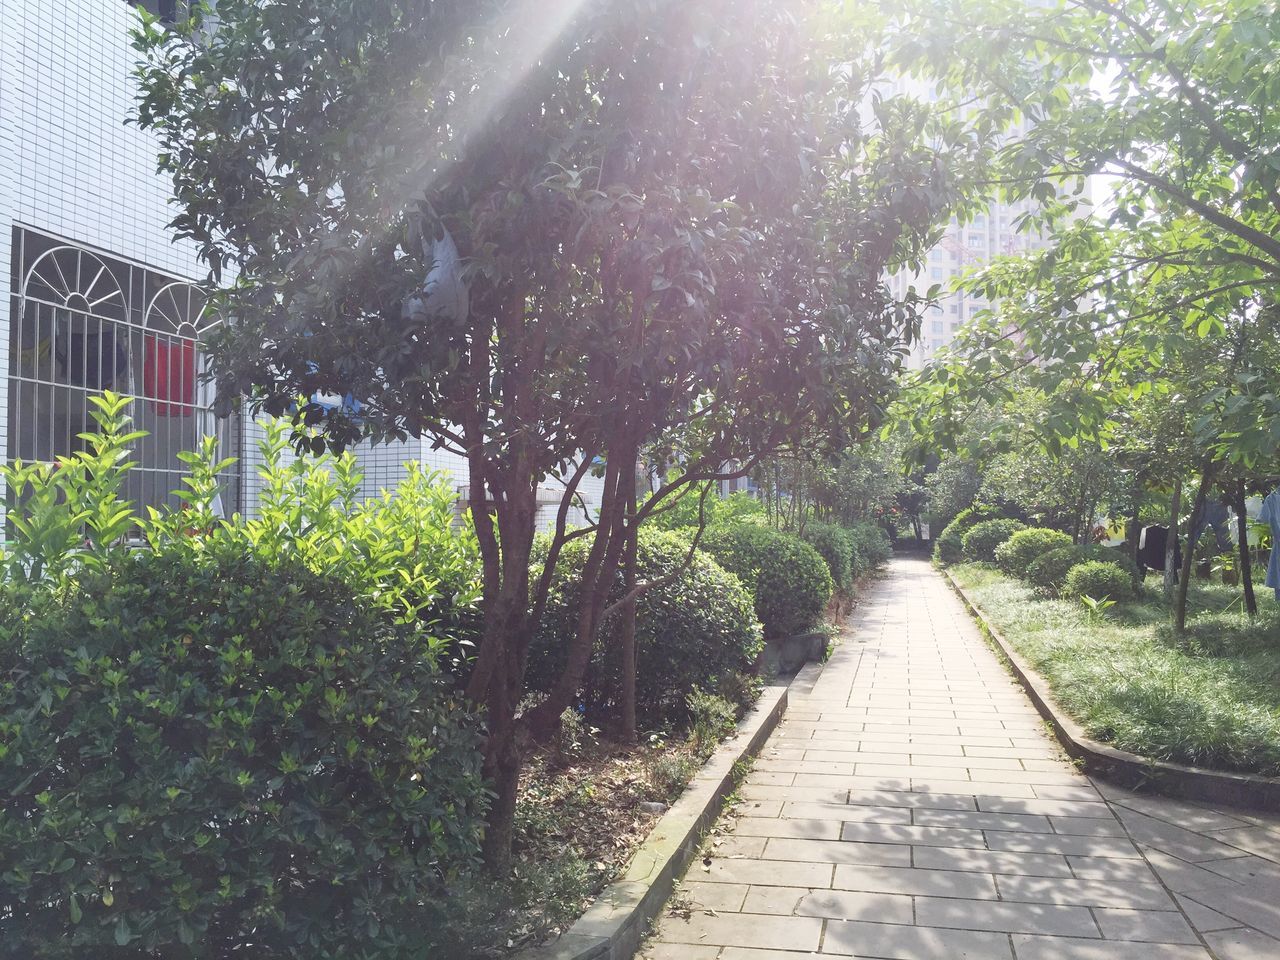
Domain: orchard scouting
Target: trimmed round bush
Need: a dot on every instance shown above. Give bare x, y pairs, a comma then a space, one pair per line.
218, 752
787, 577
1048, 572
980, 543
1015, 555
949, 545
837, 547
1098, 579
697, 631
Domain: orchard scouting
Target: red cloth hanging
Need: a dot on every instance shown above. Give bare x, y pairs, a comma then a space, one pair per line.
169, 375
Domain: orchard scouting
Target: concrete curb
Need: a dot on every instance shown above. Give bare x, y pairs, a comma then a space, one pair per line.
617, 921
1119, 766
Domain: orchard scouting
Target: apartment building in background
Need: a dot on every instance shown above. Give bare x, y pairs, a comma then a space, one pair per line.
97, 294
963, 248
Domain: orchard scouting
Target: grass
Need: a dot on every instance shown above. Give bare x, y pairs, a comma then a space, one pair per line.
1209, 698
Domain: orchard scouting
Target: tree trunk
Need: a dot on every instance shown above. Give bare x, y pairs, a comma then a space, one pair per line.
627, 621
1188, 555
597, 582
1171, 545
1246, 561
1134, 532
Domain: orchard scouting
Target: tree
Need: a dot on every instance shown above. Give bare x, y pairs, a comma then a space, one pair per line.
1178, 268
640, 223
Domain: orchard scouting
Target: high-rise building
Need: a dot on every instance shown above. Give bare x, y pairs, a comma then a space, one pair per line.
963, 248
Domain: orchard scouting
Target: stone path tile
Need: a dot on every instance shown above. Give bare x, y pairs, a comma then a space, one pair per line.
912, 807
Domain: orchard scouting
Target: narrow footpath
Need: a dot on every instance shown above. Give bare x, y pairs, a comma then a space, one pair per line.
913, 806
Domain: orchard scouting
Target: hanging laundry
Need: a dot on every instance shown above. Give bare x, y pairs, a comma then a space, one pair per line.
444, 291
1214, 518
1270, 515
1151, 549
169, 375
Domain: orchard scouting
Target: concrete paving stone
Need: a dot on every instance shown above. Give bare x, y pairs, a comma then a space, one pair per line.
850, 905
898, 942
917, 835
759, 808
732, 845
1182, 877
1243, 945
905, 798
804, 829
762, 791
677, 951
856, 755
743, 930
1043, 764
1259, 909
1086, 827
763, 872
1251, 870
1203, 918
1181, 813
1109, 868
779, 900
1086, 893
975, 788
1147, 926
837, 851
805, 766
1260, 841
1046, 918
1049, 791
1058, 843
1169, 838
1065, 948
986, 861
915, 881
847, 812
712, 896
1049, 808
982, 821
770, 779
981, 764
1043, 752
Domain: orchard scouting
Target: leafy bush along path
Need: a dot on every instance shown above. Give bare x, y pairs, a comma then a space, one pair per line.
1211, 698
911, 806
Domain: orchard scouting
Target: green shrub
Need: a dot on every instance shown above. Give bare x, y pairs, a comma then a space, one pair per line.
683, 511
949, 546
1015, 555
692, 632
980, 543
1048, 572
1098, 579
217, 751
871, 548
837, 547
787, 577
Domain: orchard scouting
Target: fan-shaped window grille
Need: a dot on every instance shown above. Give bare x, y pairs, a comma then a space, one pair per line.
82, 322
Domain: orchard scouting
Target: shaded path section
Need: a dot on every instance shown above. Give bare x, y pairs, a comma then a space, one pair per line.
912, 806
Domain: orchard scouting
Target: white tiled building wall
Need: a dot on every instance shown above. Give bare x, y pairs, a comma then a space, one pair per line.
71, 167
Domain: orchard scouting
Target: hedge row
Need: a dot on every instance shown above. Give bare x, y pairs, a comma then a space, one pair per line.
1047, 559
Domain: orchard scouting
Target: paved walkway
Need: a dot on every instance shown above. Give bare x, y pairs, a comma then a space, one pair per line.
912, 806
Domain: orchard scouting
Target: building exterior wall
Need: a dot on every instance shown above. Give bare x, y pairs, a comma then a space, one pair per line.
71, 168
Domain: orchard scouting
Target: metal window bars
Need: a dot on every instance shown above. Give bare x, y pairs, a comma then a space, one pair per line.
81, 322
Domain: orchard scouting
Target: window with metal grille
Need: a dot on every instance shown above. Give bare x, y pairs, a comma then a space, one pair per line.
81, 322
